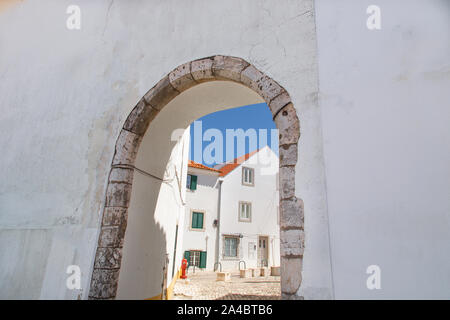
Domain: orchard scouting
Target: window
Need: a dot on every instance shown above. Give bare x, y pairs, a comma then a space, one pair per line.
191, 182
197, 220
248, 176
245, 211
196, 258
231, 245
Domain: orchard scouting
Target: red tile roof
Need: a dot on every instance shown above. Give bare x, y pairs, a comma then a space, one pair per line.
193, 164
227, 168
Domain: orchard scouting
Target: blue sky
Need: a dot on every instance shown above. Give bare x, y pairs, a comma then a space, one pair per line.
256, 116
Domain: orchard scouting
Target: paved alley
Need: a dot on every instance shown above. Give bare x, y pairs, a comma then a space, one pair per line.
204, 286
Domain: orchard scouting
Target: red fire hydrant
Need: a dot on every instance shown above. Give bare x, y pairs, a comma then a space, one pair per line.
184, 264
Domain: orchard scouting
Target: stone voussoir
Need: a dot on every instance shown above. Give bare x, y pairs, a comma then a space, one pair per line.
292, 242
228, 68
181, 79
126, 148
288, 154
291, 275
292, 214
287, 182
114, 216
108, 258
121, 175
140, 118
105, 276
201, 70
103, 290
161, 94
112, 236
288, 125
280, 101
118, 195
267, 88
291, 296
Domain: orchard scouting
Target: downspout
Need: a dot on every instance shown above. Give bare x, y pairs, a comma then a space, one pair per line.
218, 221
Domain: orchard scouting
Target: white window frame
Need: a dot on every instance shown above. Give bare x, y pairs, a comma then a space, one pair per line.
193, 256
225, 256
252, 175
249, 206
204, 220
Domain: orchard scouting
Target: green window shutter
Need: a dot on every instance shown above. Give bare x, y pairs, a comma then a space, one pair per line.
197, 220
200, 220
203, 259
193, 182
187, 256
194, 220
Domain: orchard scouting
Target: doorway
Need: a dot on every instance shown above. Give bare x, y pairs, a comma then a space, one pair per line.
263, 251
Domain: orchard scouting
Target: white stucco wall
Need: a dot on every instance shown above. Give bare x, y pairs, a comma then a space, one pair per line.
384, 100
264, 197
203, 199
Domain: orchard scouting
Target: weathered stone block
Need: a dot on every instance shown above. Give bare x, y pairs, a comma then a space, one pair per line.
161, 94
291, 274
201, 70
121, 175
279, 102
288, 155
291, 296
287, 182
112, 236
256, 80
292, 242
105, 276
126, 148
228, 68
114, 216
292, 215
288, 125
118, 195
181, 78
101, 290
140, 118
108, 258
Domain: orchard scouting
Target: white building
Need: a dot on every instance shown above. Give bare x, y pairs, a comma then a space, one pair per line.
200, 227
232, 214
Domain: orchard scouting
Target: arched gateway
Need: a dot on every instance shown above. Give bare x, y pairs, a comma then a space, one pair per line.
105, 275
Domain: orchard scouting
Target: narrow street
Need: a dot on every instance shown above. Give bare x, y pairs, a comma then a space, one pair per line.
204, 286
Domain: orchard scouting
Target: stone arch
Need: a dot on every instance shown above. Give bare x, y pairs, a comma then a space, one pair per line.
105, 274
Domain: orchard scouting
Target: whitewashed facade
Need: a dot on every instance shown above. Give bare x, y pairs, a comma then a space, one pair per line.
240, 214
201, 200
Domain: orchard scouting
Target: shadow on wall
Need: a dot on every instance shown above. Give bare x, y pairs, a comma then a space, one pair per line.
144, 252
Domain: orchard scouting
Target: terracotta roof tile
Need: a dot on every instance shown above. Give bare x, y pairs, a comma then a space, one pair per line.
197, 165
227, 168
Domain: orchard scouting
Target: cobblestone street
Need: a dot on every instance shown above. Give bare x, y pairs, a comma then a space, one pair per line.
204, 286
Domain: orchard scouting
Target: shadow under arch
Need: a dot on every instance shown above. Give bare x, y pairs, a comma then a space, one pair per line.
107, 262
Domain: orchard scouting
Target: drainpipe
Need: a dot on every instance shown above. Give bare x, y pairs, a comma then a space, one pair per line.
218, 221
